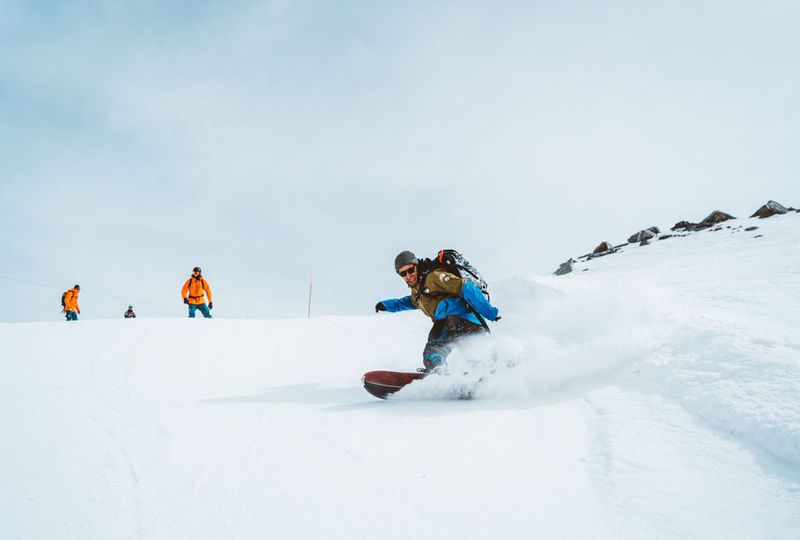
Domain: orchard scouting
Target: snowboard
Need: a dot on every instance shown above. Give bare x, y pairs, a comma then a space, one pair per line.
382, 384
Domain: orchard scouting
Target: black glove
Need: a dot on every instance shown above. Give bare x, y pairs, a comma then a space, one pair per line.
185, 300
211, 305
379, 307
497, 318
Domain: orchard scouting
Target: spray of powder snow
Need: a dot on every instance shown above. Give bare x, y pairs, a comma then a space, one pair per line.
554, 333
563, 333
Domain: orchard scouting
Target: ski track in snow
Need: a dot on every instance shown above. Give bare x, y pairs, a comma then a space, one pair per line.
653, 395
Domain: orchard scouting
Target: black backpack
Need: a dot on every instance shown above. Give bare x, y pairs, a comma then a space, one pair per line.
454, 262
63, 301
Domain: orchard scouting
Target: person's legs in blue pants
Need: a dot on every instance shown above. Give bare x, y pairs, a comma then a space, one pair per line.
203, 309
443, 338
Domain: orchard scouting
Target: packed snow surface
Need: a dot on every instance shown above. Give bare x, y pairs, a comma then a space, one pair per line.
652, 393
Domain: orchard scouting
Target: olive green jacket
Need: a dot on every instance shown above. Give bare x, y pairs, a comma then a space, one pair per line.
436, 286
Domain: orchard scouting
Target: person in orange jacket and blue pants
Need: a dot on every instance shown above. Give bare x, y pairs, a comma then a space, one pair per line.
70, 302
193, 294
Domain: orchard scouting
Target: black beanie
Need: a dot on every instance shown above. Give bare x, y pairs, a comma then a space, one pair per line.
404, 258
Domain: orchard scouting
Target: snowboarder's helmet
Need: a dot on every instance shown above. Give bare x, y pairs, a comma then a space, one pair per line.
77, 286
404, 258
196, 269
130, 307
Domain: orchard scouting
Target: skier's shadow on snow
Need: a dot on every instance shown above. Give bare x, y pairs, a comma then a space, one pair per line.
309, 394
346, 399
340, 400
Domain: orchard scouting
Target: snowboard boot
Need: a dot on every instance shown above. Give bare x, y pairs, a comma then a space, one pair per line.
434, 364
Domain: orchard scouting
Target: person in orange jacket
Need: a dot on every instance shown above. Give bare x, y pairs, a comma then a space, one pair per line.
70, 302
192, 294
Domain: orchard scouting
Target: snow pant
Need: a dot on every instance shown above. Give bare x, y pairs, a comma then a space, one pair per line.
203, 309
444, 336
71, 315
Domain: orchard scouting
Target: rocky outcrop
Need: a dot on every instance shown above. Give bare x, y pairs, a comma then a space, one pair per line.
715, 217
712, 222
770, 209
603, 248
565, 268
712, 219
644, 235
684, 226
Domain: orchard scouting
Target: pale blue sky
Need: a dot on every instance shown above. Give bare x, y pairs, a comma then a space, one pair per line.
264, 141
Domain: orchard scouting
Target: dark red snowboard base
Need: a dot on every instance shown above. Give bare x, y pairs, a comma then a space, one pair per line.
382, 384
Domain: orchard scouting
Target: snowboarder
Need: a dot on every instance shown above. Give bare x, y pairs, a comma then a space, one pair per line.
130, 314
456, 306
192, 294
69, 302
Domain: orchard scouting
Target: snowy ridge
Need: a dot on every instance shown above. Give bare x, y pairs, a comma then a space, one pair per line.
693, 319
653, 395
709, 320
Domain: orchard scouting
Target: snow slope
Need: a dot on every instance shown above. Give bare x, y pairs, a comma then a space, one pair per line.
654, 395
